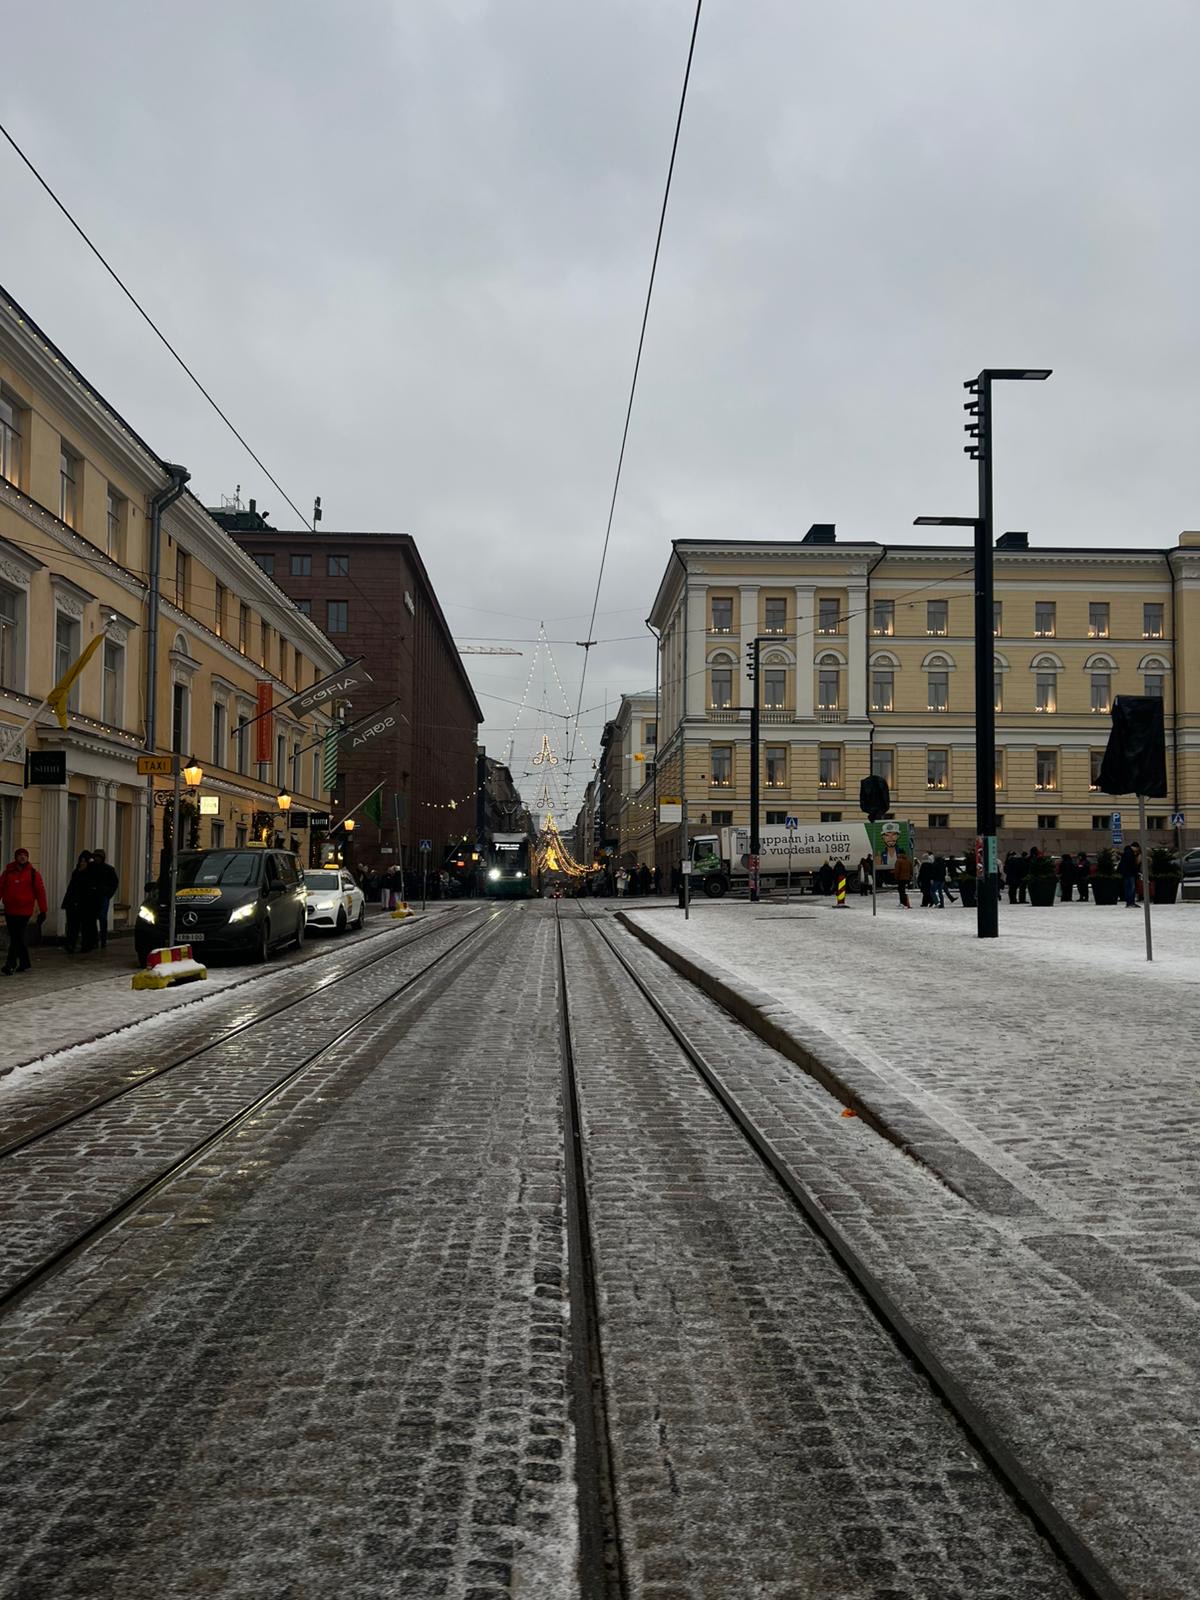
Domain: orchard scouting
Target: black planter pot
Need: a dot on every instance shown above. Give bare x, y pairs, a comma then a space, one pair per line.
1042, 891
1164, 891
1106, 891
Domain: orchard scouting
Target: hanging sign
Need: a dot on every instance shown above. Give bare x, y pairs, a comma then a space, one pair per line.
45, 766
263, 727
210, 805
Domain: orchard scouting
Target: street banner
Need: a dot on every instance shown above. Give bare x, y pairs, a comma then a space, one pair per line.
373, 807
265, 720
351, 676
371, 726
329, 762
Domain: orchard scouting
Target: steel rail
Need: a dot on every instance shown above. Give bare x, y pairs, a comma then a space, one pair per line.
1081, 1563
43, 1130
601, 1567
103, 1225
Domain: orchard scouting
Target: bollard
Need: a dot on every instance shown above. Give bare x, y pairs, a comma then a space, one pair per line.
841, 890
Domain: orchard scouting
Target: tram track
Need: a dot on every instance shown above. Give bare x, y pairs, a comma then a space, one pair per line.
1081, 1567
28, 1279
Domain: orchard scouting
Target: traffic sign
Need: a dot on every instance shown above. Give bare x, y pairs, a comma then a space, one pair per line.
1177, 819
426, 846
151, 766
791, 822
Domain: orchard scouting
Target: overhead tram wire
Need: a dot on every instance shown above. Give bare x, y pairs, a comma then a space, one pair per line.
153, 326
588, 641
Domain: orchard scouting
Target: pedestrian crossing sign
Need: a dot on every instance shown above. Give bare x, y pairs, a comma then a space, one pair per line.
1177, 819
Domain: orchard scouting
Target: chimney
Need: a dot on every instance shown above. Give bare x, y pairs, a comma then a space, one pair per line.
253, 508
1013, 541
821, 533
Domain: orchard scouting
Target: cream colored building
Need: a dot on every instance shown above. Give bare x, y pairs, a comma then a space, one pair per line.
76, 484
868, 662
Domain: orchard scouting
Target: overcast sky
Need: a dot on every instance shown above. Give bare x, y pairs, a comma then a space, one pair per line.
406, 246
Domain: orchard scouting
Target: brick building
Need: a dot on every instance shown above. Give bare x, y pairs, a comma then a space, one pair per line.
371, 594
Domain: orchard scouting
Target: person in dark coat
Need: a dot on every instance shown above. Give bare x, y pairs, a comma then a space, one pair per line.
925, 880
1018, 875
866, 874
1129, 874
102, 885
1009, 878
937, 882
1083, 873
825, 878
74, 902
1066, 875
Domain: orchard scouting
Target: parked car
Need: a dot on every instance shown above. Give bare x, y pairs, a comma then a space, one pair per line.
335, 902
228, 902
1191, 863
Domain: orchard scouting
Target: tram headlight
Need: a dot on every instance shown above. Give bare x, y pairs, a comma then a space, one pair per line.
493, 874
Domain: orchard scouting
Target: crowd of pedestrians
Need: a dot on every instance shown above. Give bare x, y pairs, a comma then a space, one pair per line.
89, 895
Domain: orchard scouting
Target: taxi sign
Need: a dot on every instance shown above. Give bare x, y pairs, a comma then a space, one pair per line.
152, 766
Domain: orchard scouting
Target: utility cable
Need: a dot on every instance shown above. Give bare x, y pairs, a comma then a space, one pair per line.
587, 641
153, 326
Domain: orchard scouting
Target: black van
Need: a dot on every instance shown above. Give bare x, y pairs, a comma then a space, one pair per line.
227, 902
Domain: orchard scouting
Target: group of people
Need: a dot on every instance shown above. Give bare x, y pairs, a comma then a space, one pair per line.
639, 879
89, 894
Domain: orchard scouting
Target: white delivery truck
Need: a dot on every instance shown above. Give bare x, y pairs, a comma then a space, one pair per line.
721, 860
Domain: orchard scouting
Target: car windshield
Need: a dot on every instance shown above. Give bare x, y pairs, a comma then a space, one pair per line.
322, 880
225, 869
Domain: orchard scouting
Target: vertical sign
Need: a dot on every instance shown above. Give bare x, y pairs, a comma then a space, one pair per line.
265, 724
329, 762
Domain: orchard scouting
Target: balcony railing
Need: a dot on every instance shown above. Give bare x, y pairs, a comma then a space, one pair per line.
775, 714
831, 714
724, 714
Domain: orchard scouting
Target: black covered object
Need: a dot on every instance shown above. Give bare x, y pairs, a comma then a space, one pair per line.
1135, 761
874, 797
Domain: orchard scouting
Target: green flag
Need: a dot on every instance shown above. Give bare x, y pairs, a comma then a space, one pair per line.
329, 767
373, 807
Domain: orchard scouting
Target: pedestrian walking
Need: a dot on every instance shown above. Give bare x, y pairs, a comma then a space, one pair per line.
902, 872
102, 886
1129, 872
22, 894
866, 875
1009, 878
657, 879
74, 902
1020, 873
925, 880
1066, 876
1083, 874
825, 878
937, 882
622, 880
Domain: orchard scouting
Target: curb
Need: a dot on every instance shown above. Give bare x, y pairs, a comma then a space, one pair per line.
850, 1081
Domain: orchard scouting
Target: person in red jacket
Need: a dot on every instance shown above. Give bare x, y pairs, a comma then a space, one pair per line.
22, 892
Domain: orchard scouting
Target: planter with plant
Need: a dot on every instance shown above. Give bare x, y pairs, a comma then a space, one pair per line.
1106, 884
1042, 881
1164, 876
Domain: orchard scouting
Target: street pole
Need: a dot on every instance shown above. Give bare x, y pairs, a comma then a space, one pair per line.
685, 861
1145, 875
987, 892
754, 721
178, 764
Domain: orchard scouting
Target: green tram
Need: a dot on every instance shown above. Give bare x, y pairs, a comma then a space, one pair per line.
511, 872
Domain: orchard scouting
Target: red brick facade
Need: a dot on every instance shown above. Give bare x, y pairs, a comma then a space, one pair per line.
392, 619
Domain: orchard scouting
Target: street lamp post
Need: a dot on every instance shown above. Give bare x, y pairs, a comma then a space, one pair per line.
754, 654
979, 429
192, 775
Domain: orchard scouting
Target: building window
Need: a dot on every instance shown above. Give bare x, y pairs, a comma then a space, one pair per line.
297, 778
66, 652
68, 486
776, 766
12, 613
939, 819
1102, 821
282, 659
1097, 761
937, 616
113, 701
883, 765
1101, 691
883, 617
281, 760
722, 819
998, 691
266, 561
217, 833
182, 565
722, 614
219, 718
997, 618
219, 612
244, 629
304, 607
115, 511
337, 619
298, 668
1047, 819
179, 718
829, 766
774, 615
10, 438
829, 618
264, 646
937, 769
337, 566
721, 759
776, 819
1152, 684
774, 688
938, 696
242, 739
1047, 770
831, 816
998, 763
1046, 692
650, 735
1045, 614
1156, 822
301, 566
722, 687
882, 683
1152, 620
1098, 619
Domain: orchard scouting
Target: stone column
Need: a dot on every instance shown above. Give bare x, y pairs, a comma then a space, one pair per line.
54, 865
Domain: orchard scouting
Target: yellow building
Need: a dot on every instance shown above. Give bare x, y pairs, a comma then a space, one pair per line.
76, 490
868, 664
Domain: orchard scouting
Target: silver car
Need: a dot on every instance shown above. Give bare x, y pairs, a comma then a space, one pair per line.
335, 902
1191, 863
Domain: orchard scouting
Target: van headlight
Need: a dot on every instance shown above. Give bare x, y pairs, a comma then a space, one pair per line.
242, 913
147, 914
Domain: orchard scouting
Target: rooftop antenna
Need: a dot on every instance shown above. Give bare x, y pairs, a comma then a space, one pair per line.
316, 510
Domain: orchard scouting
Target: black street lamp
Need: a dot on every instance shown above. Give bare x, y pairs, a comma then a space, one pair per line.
979, 429
753, 657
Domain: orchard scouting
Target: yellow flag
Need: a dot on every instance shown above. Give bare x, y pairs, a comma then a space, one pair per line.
57, 698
